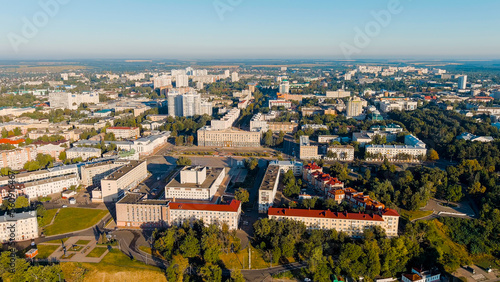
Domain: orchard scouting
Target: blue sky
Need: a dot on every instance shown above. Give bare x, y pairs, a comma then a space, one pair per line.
193, 29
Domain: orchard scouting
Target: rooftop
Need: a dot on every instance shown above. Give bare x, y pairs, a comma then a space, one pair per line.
232, 207
212, 174
322, 214
137, 198
270, 178
123, 170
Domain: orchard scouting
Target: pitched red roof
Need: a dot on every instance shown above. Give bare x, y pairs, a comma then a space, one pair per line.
390, 212
322, 214
232, 207
11, 142
312, 166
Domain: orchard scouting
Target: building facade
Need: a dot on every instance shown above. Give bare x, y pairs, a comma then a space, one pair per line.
196, 183
120, 181
227, 138
24, 225
125, 132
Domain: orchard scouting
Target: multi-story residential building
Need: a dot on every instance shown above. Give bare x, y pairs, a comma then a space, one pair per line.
92, 174
125, 132
314, 126
84, 152
227, 138
355, 106
414, 150
120, 181
285, 166
398, 105
403, 153
328, 138
219, 214
311, 111
227, 120
195, 182
42, 174
181, 80
45, 187
16, 158
367, 136
340, 153
280, 103
206, 107
462, 82
268, 188
394, 128
260, 122
287, 127
70, 135
306, 150
157, 117
353, 224
23, 225
71, 101
182, 103
234, 77
136, 211
338, 94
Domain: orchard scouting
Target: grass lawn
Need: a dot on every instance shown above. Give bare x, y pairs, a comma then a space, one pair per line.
48, 216
82, 242
58, 241
74, 219
97, 252
486, 261
240, 260
44, 251
411, 215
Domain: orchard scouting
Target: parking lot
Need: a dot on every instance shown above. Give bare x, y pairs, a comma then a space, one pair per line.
479, 274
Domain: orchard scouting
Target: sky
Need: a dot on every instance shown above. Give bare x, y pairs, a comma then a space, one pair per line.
249, 29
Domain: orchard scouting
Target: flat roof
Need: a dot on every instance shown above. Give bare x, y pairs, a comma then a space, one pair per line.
123, 170
232, 207
212, 174
270, 178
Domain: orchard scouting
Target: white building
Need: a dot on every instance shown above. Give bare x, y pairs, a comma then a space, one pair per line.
196, 183
181, 80
206, 107
71, 101
462, 82
268, 188
230, 214
45, 187
226, 121
341, 153
20, 226
234, 77
284, 87
147, 145
184, 104
84, 152
16, 158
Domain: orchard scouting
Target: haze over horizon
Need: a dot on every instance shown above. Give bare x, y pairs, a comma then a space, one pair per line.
227, 29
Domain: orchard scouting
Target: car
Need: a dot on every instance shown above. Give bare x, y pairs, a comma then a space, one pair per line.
64, 206
489, 270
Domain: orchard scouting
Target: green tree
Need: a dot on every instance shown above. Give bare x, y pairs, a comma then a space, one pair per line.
242, 195
268, 138
183, 161
190, 247
32, 165
21, 202
432, 155
211, 273
63, 156
251, 163
4, 171
236, 276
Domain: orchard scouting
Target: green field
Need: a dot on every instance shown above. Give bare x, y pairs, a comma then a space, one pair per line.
115, 266
82, 242
48, 217
74, 219
44, 251
411, 215
97, 252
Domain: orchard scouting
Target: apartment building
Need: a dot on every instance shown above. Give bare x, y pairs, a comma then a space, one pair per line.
121, 180
136, 211
306, 150
414, 150
195, 182
16, 158
70, 135
83, 152
92, 174
72, 101
280, 103
227, 121
24, 225
227, 138
219, 214
125, 132
353, 224
45, 187
340, 153
285, 166
42, 174
287, 127
328, 138
268, 188
147, 145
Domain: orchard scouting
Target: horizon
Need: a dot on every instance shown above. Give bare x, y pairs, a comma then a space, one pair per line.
228, 30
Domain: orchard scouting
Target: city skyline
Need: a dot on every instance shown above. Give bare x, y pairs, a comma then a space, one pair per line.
223, 29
